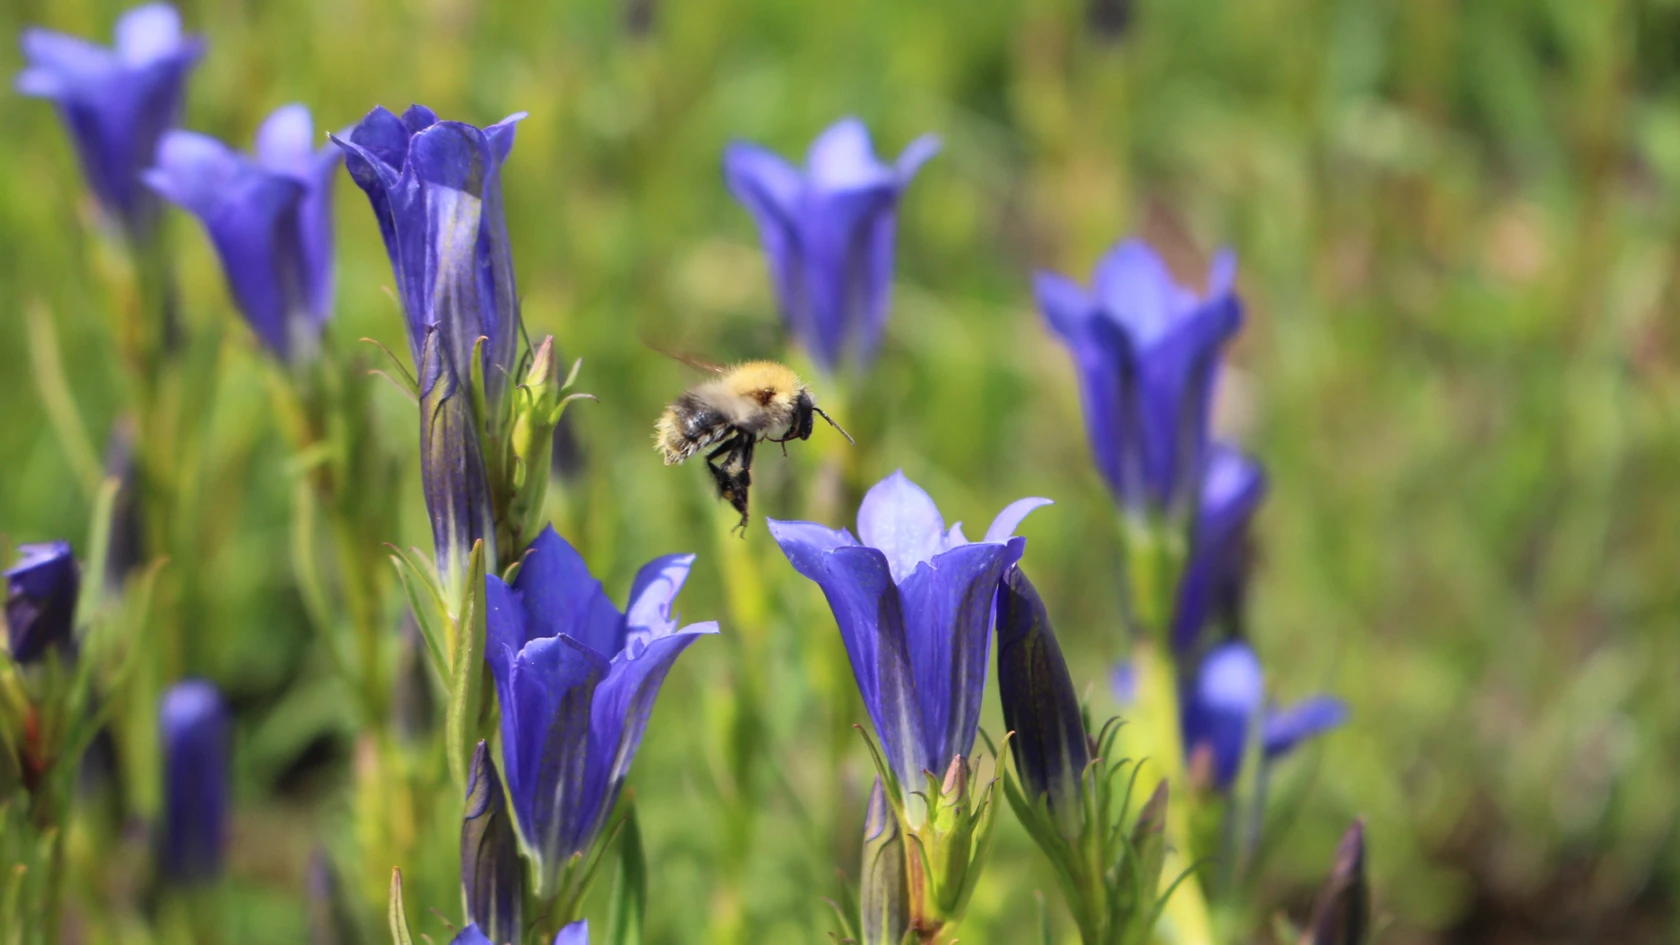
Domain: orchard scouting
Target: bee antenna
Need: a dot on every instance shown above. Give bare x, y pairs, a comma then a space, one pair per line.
836, 426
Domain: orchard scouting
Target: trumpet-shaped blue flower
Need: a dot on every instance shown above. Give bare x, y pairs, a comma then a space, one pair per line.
576, 679
1216, 579
914, 605
116, 102
1146, 350
829, 233
269, 217
41, 592
196, 733
436, 189
1222, 706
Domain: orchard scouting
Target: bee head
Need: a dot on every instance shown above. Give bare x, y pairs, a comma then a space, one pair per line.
804, 414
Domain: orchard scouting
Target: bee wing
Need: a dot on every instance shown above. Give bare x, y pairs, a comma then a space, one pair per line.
687, 359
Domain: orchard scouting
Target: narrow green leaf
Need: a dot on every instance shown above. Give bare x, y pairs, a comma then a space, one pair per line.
466, 673
403, 378
427, 606
629, 902
395, 914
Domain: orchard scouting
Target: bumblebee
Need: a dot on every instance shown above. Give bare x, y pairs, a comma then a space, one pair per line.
728, 415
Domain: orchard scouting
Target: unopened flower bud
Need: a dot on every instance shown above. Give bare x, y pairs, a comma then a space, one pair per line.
1343, 913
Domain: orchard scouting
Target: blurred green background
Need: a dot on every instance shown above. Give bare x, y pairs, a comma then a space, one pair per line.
1457, 223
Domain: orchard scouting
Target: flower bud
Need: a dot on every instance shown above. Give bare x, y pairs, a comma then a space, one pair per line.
492, 875
1039, 704
884, 898
195, 735
1343, 913
41, 594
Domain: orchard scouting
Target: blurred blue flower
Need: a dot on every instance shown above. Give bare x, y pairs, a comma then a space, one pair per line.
576, 680
914, 605
1214, 584
1222, 706
828, 233
116, 102
575, 934
1039, 704
269, 217
41, 592
1146, 350
492, 873
472, 936
436, 189
196, 732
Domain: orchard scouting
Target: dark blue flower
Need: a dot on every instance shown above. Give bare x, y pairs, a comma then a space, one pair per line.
914, 605
116, 102
576, 680
436, 189
1215, 581
195, 731
828, 233
269, 217
1222, 707
41, 592
1040, 705
492, 874
1146, 350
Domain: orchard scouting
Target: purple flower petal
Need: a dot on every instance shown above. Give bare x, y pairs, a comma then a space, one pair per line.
147, 34
41, 592
947, 607
843, 157
651, 593
622, 706
899, 517
1136, 289
559, 595
914, 156
1003, 527
1213, 583
285, 141
1220, 706
1065, 306
575, 934
195, 735
1285, 729
864, 599
545, 698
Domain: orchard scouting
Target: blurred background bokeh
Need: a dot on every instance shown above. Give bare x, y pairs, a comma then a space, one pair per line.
1457, 225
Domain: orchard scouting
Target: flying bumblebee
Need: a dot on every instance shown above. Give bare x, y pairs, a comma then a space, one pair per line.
729, 415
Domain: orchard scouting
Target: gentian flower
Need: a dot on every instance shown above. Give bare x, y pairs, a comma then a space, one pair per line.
575, 934
1222, 706
1216, 579
436, 189
576, 679
116, 102
269, 217
829, 233
195, 736
492, 874
41, 592
1040, 705
1146, 350
914, 605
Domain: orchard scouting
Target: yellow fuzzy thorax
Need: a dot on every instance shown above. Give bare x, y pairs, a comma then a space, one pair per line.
752, 376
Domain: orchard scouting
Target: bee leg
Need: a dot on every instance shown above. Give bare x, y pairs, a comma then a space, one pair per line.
733, 475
